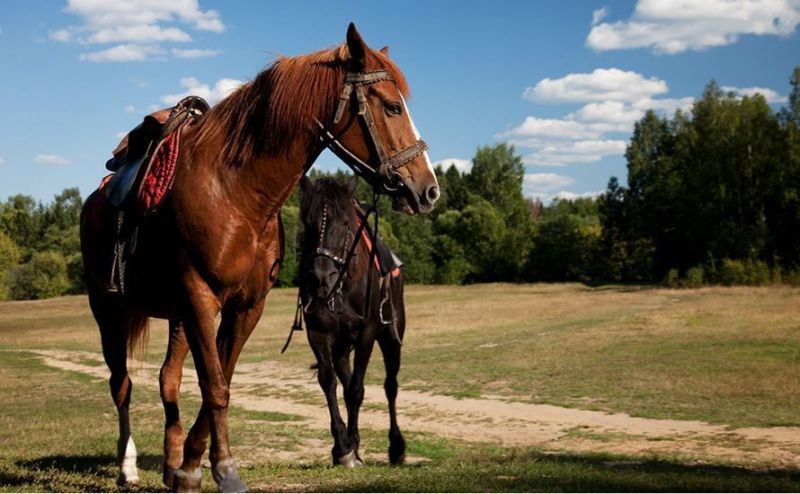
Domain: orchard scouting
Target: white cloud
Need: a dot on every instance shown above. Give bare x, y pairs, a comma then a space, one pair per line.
599, 85
61, 35
462, 165
571, 196
2, 160
598, 15
130, 109
568, 152
137, 26
221, 89
546, 182
667, 105
100, 13
123, 53
549, 186
50, 159
610, 112
674, 26
770, 95
194, 53
615, 100
144, 33
535, 127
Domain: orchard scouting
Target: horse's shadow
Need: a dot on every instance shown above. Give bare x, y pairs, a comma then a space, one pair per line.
53, 473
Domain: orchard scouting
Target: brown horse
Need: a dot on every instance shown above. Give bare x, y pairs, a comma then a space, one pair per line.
214, 247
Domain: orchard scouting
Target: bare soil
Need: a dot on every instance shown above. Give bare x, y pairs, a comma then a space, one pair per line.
276, 387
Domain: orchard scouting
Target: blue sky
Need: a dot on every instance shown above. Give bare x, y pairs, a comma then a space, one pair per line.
562, 80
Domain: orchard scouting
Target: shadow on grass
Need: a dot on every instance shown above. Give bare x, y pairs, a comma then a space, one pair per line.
498, 471
535, 471
69, 472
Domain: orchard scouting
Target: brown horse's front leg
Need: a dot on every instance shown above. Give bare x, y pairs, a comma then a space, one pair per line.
200, 331
170, 384
235, 328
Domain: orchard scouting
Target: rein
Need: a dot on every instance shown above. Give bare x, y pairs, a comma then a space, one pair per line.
387, 166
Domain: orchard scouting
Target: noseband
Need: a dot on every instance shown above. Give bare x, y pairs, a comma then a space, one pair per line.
387, 166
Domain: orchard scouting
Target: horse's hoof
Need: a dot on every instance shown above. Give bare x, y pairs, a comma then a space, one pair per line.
397, 449
184, 481
224, 473
232, 484
349, 460
127, 485
168, 477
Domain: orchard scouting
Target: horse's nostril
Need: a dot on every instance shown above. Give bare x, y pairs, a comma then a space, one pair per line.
433, 194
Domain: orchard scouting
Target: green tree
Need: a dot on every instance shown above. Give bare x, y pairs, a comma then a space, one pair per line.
44, 276
9, 257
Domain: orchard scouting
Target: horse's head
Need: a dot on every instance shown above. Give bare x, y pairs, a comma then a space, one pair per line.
327, 211
372, 130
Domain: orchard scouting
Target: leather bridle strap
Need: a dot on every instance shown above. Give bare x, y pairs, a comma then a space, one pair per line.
387, 165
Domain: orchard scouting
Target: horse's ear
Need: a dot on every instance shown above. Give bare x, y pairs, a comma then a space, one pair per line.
356, 46
306, 184
385, 50
352, 185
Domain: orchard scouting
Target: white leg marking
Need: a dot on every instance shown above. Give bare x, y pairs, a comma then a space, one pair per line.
126, 451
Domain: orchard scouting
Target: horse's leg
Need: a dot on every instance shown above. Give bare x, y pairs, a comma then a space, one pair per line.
113, 322
322, 344
170, 384
200, 332
235, 328
341, 363
391, 360
354, 394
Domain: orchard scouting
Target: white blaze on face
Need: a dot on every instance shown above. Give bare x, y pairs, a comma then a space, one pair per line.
417, 136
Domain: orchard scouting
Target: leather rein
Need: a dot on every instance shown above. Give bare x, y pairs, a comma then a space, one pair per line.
387, 166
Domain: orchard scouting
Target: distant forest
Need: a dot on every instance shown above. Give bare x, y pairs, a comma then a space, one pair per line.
713, 197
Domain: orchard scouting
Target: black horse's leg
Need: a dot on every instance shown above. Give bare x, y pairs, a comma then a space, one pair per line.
322, 345
341, 356
391, 360
354, 394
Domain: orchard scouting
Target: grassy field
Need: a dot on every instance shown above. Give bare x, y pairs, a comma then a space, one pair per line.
729, 357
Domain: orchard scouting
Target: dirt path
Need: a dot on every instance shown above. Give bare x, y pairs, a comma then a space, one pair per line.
274, 387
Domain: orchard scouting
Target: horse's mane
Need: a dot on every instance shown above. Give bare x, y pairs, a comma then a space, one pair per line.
333, 193
279, 105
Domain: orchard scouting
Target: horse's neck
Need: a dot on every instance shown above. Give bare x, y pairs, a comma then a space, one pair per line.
260, 187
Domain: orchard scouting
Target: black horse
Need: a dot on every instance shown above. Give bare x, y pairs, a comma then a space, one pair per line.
350, 298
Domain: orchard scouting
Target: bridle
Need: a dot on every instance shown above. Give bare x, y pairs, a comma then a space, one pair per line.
383, 176
341, 262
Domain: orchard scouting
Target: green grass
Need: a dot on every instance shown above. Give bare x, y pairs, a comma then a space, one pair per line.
725, 355
58, 433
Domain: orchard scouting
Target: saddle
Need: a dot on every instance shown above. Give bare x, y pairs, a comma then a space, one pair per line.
144, 161
142, 144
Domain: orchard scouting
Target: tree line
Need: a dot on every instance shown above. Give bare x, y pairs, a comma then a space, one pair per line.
712, 196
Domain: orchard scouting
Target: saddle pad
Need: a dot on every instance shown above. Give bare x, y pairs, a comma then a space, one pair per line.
386, 261
158, 178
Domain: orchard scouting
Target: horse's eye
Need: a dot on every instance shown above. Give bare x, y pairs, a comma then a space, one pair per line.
393, 109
